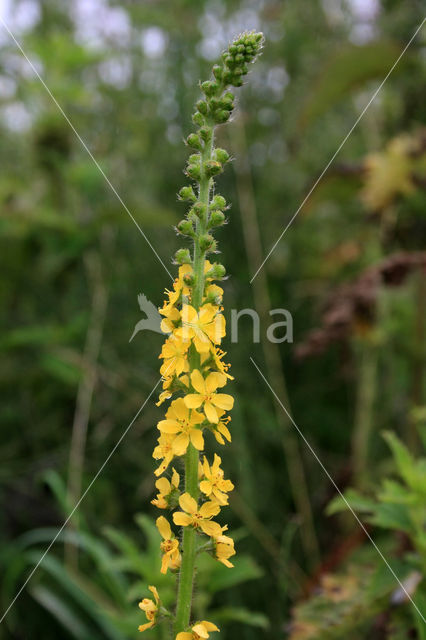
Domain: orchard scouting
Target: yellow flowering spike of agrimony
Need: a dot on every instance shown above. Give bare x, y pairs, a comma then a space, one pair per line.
205, 328
183, 424
193, 368
150, 608
207, 396
214, 485
198, 517
199, 630
169, 546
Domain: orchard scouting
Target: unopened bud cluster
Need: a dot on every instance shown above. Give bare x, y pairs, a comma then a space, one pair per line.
208, 162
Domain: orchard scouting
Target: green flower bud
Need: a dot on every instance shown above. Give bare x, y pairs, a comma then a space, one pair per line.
217, 72
227, 77
185, 228
202, 107
194, 141
217, 218
222, 116
205, 133
209, 88
218, 202
198, 119
214, 104
187, 193
199, 209
221, 155
182, 256
227, 104
189, 279
193, 171
206, 242
212, 168
216, 272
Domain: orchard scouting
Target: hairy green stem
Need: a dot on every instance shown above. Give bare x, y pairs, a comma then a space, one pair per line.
189, 547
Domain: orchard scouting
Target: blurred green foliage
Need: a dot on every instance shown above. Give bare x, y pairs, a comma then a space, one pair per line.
72, 264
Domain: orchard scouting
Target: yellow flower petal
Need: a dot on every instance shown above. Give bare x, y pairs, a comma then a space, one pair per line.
210, 411
182, 519
163, 486
206, 487
209, 509
165, 561
155, 593
184, 635
178, 409
188, 503
212, 529
196, 417
180, 444
147, 625
175, 478
197, 439
202, 343
223, 401
164, 528
210, 626
200, 630
198, 382
169, 426
193, 400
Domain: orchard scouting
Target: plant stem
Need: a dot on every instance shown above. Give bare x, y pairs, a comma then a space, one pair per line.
189, 547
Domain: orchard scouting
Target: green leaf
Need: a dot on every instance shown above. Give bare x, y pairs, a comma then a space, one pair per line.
355, 500
404, 460
391, 516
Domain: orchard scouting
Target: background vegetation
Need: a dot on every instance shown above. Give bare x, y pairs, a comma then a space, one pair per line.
351, 270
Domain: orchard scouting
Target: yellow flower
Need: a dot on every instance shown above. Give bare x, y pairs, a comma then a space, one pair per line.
165, 488
224, 549
181, 420
198, 517
204, 328
218, 354
169, 546
164, 395
174, 352
150, 608
214, 485
221, 431
206, 395
199, 630
170, 320
163, 451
